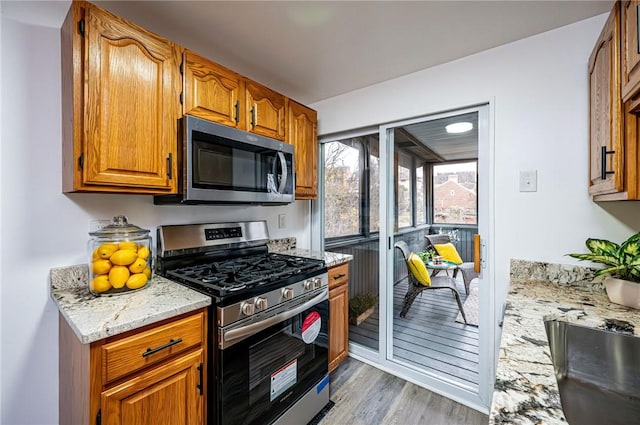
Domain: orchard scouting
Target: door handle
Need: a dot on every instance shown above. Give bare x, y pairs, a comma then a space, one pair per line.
476, 253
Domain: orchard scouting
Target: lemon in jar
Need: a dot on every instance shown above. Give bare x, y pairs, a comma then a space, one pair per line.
138, 266
143, 252
123, 257
128, 245
136, 281
100, 283
118, 276
101, 266
106, 250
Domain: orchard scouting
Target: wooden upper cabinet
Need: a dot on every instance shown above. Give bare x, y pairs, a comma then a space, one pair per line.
211, 91
265, 111
606, 119
121, 88
630, 53
302, 134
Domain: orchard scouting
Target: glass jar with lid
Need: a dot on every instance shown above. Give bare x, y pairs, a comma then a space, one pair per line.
119, 258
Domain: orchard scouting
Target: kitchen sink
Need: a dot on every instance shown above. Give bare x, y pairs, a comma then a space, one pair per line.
598, 373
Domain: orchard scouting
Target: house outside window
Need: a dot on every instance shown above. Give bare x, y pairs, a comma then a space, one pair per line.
455, 198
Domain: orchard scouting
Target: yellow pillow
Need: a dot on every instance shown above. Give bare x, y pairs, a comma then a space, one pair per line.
448, 252
418, 269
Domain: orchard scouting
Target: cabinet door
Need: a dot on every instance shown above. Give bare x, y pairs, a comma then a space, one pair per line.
131, 105
211, 92
630, 51
302, 134
166, 395
606, 121
265, 111
338, 324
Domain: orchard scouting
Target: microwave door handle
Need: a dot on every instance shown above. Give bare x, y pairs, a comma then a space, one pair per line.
284, 175
253, 328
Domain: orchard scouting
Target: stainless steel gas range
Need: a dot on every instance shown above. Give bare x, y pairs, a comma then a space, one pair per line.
268, 322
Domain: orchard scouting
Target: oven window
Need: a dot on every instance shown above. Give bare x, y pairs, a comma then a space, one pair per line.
273, 364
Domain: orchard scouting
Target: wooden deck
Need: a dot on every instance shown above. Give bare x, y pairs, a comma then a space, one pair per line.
428, 337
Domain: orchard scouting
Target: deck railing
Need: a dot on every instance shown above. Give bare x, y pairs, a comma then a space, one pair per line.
364, 269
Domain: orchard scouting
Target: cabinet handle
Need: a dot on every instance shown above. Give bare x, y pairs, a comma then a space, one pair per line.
603, 162
200, 384
162, 347
339, 276
237, 111
253, 116
170, 166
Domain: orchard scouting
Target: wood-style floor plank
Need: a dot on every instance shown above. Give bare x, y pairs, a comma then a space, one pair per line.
428, 337
364, 395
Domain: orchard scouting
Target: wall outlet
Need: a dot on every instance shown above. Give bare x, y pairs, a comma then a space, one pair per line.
282, 221
529, 181
95, 225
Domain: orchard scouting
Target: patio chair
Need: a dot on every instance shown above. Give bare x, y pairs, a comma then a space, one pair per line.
468, 274
415, 287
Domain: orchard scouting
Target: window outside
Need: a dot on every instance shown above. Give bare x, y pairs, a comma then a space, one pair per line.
404, 191
374, 188
421, 217
455, 198
342, 188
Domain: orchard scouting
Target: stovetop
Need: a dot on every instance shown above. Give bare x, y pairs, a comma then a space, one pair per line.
246, 274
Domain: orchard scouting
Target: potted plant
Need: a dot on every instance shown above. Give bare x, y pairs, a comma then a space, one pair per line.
361, 307
427, 255
622, 268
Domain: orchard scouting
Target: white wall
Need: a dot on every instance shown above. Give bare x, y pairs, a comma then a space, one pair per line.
43, 228
539, 89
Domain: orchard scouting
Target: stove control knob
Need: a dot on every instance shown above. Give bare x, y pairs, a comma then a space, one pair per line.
287, 293
317, 283
246, 308
308, 284
260, 303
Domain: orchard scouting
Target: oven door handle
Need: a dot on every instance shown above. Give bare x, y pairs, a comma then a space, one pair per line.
235, 334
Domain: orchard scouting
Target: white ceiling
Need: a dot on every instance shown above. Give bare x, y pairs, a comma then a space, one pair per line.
311, 50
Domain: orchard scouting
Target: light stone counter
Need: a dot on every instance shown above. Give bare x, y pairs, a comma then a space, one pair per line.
526, 391
96, 317
331, 259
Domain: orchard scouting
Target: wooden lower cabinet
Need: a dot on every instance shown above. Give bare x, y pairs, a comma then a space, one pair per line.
168, 388
338, 315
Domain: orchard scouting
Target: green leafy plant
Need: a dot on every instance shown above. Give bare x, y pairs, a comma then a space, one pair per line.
621, 261
361, 303
427, 255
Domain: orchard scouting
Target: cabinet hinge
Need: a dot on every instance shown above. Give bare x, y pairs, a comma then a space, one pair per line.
81, 161
181, 97
99, 418
182, 67
170, 166
81, 27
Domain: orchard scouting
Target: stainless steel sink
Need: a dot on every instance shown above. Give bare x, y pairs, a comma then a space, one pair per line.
598, 374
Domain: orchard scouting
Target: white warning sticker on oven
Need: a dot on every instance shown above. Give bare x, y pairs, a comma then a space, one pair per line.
284, 379
311, 327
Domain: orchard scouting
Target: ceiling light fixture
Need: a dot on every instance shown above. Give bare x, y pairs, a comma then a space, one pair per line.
459, 127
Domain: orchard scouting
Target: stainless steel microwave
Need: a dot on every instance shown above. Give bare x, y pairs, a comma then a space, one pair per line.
223, 165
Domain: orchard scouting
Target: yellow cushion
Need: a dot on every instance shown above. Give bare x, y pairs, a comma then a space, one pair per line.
418, 269
448, 252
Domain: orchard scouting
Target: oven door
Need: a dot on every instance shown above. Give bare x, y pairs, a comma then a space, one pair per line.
228, 165
264, 374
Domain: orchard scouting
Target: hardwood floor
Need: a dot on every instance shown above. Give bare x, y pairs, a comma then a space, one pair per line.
429, 337
364, 395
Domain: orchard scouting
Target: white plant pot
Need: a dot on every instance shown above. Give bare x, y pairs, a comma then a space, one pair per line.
623, 292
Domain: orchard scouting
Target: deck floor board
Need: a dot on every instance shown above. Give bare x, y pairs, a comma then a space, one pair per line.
428, 337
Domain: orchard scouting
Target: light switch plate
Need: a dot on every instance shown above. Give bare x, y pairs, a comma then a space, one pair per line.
282, 221
529, 181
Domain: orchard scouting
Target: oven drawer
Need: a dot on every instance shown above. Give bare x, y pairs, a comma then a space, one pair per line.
152, 346
338, 275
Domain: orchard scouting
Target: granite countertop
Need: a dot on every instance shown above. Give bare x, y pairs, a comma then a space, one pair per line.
96, 317
525, 390
331, 259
